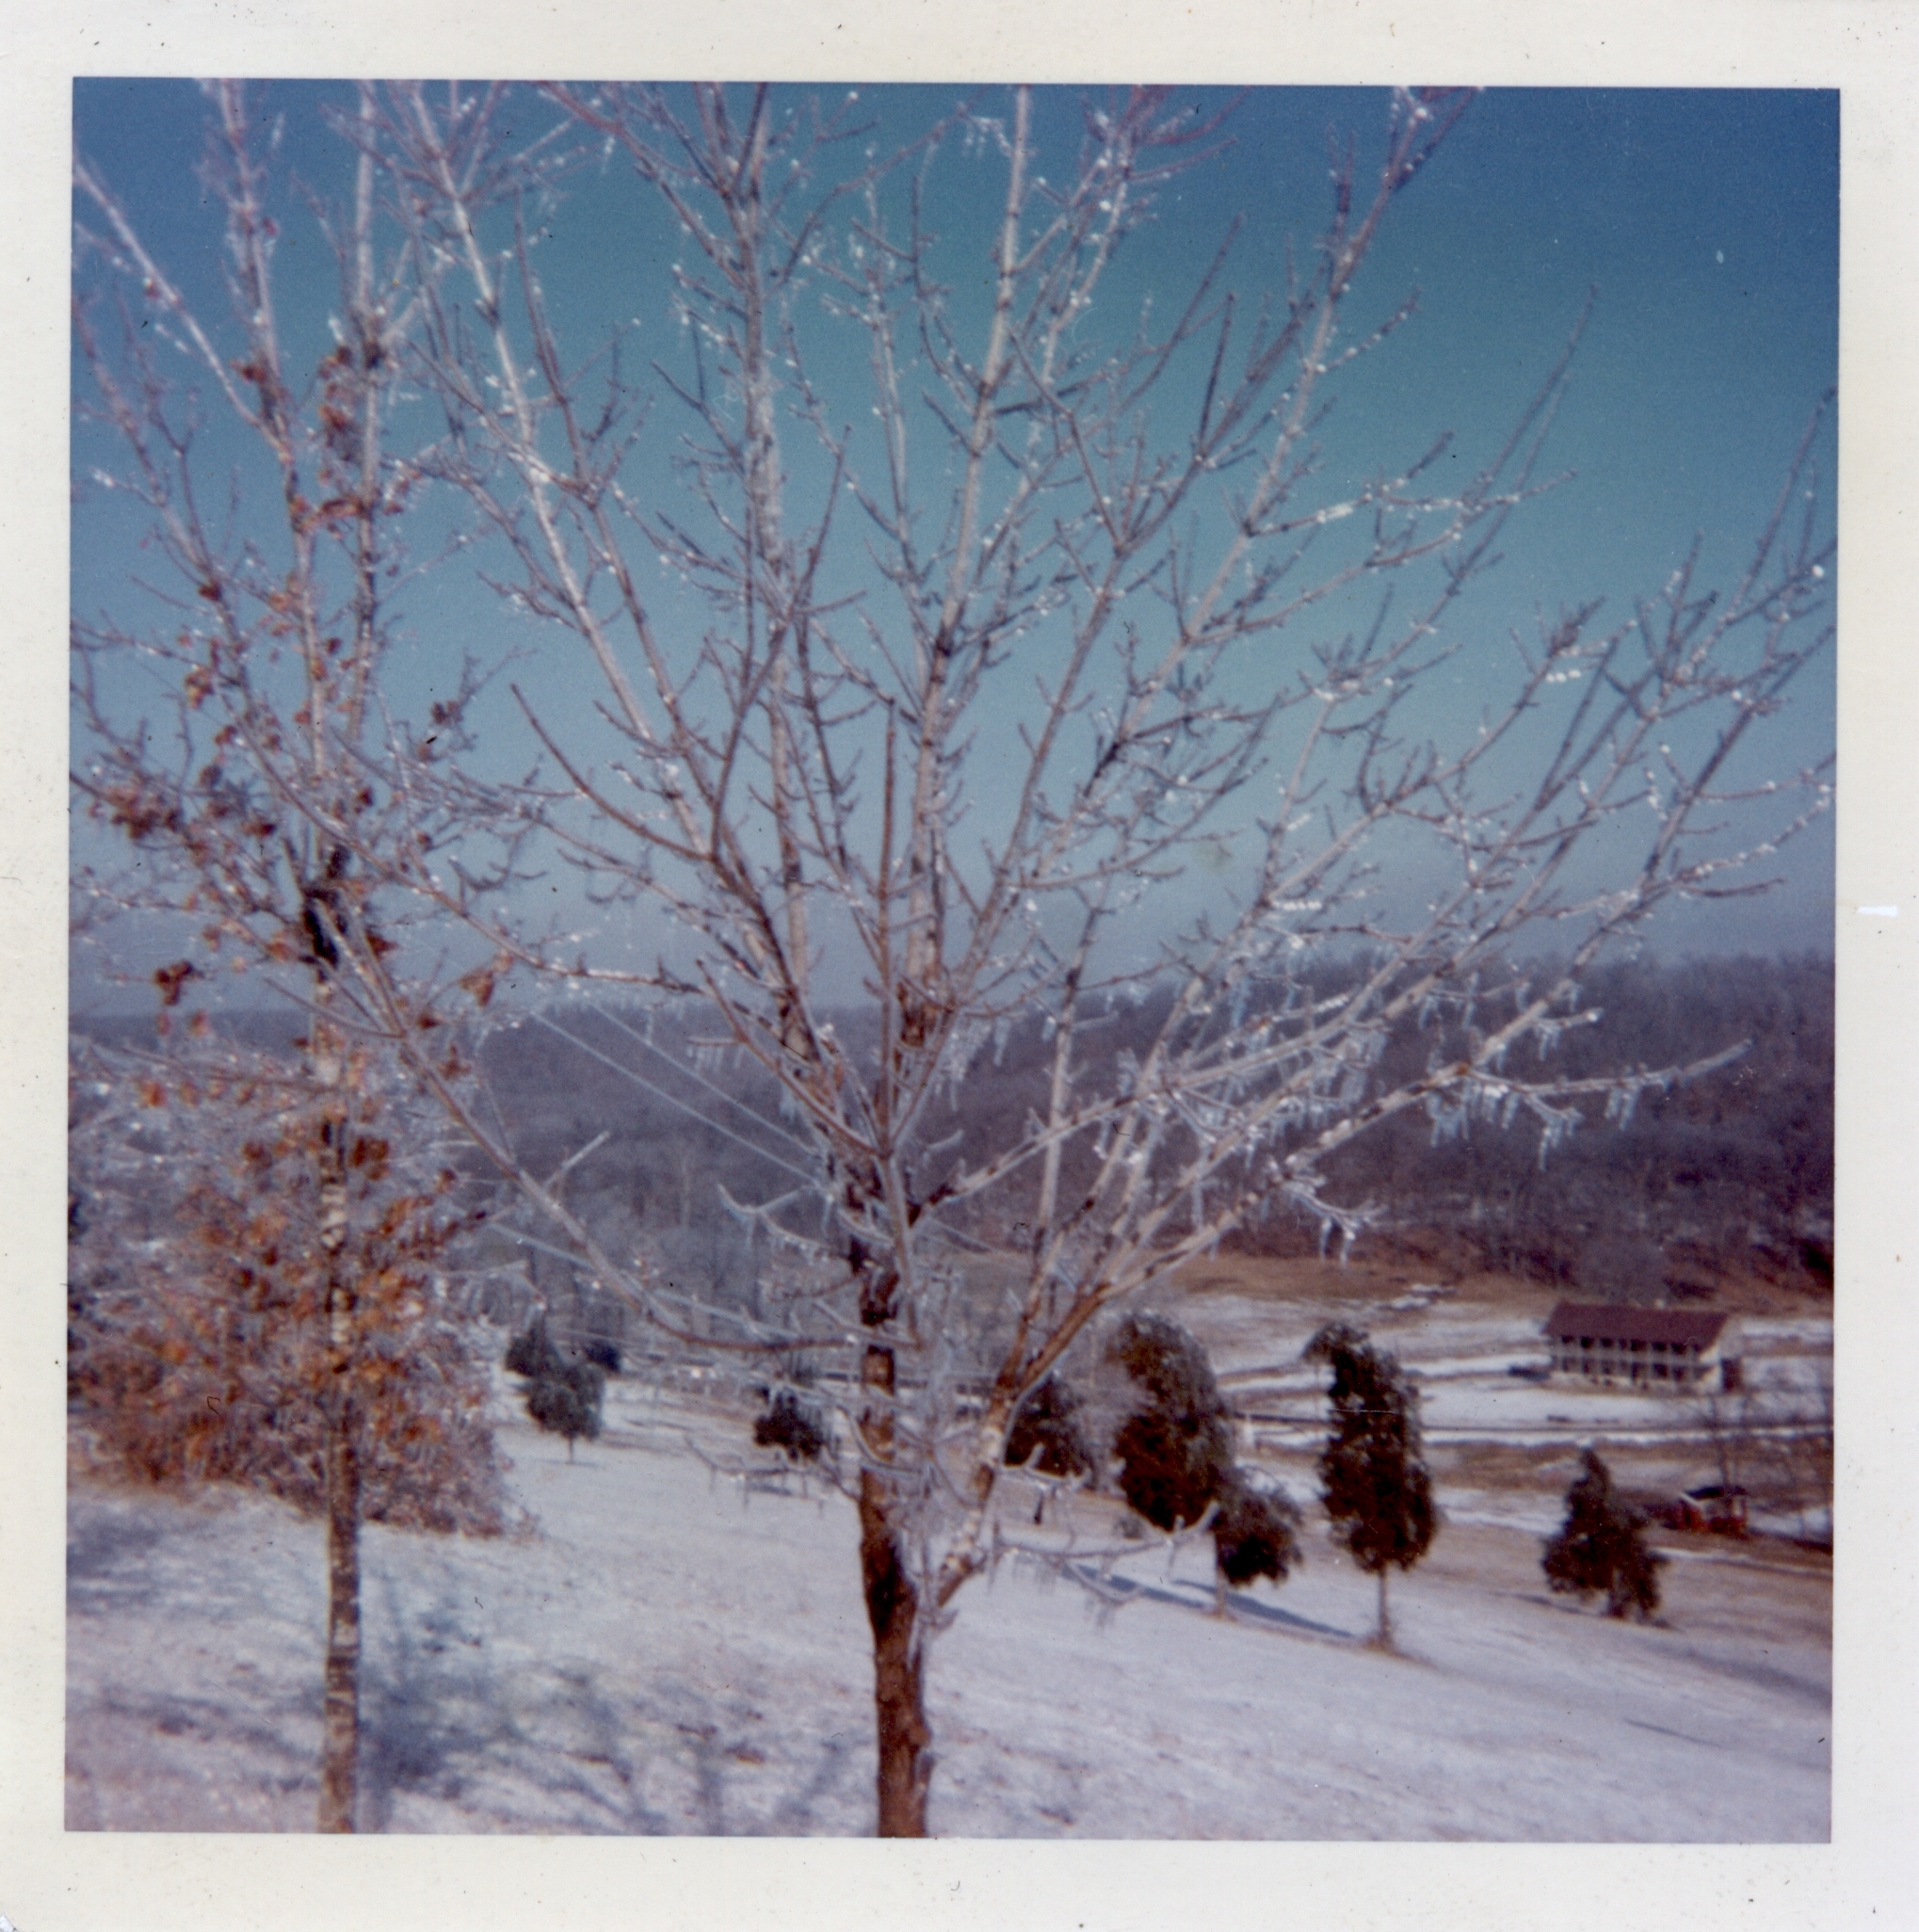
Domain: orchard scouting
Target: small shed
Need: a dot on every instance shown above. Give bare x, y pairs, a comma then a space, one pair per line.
1715, 1507
1647, 1347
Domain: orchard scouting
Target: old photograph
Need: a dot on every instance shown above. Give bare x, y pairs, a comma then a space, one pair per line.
952, 961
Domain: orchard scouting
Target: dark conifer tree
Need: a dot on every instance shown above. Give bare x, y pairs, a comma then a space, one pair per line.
793, 1426
1255, 1534
1373, 1476
602, 1353
1046, 1433
562, 1396
1600, 1548
1175, 1455
566, 1400
530, 1353
1175, 1450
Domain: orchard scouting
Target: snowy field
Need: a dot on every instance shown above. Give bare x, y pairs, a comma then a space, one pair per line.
660, 1651
1462, 1353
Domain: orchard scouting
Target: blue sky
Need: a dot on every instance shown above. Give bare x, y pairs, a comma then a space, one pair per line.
1707, 221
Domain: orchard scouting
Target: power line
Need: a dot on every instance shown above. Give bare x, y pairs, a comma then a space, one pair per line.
673, 1099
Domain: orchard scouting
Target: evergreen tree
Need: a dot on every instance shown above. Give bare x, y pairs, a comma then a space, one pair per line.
1255, 1534
1046, 1433
1374, 1479
562, 1396
1599, 1546
530, 1353
1175, 1455
566, 1400
1174, 1452
794, 1426
602, 1353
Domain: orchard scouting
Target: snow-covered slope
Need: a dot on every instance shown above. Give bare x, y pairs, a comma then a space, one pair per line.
664, 1652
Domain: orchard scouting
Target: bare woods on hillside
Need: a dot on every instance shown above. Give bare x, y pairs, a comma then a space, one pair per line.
1710, 1183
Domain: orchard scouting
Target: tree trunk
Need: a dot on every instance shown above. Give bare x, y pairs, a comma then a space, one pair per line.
1384, 1638
904, 1737
340, 1712
902, 1734
340, 1723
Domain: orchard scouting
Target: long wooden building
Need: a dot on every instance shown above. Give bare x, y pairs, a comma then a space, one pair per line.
1647, 1347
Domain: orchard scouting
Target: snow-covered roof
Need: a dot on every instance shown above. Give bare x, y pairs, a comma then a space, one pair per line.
1611, 1322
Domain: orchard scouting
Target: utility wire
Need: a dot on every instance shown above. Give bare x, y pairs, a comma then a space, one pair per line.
639, 1079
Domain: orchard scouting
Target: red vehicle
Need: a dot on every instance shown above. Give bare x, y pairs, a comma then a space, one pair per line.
1712, 1508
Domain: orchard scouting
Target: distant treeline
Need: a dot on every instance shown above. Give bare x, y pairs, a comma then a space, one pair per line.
1729, 1175
1722, 1178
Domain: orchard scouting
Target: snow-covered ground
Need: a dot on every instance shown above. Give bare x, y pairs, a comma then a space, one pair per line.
665, 1651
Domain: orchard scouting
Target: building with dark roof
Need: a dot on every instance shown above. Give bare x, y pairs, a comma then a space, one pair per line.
1647, 1347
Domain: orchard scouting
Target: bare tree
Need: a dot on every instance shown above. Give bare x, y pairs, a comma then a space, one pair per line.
1727, 1424
930, 684
1053, 562
234, 734
1799, 1453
